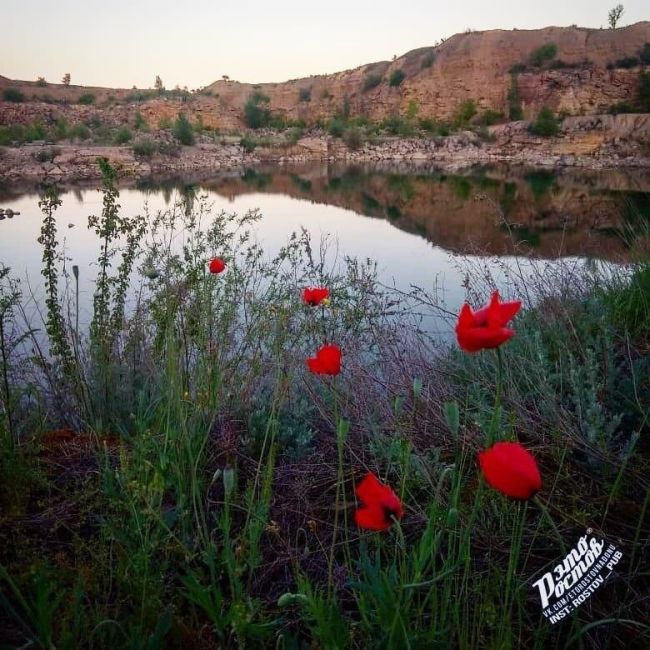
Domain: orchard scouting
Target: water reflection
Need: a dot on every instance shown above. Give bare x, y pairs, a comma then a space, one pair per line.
489, 211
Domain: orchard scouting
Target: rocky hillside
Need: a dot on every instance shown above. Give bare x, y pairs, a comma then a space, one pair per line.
586, 74
572, 70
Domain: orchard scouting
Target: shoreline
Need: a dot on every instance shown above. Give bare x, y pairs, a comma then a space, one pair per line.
593, 143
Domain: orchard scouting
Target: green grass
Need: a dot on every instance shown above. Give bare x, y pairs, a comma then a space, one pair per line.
207, 494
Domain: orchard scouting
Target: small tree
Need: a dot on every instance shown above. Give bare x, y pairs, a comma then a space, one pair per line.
158, 84
66, 79
255, 115
183, 131
41, 82
615, 15
546, 123
225, 77
396, 78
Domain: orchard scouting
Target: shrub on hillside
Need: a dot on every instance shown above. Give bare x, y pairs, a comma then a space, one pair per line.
517, 68
626, 62
396, 78
489, 117
255, 115
13, 95
183, 131
336, 127
370, 81
144, 147
87, 99
543, 54
353, 138
644, 55
644, 92
304, 95
465, 112
546, 124
123, 135
79, 132
41, 83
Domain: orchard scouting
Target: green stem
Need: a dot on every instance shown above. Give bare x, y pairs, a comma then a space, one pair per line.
496, 413
547, 514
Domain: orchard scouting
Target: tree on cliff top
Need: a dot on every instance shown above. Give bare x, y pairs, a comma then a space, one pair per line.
158, 84
615, 15
66, 79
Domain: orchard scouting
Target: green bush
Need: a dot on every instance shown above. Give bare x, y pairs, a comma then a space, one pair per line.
353, 138
427, 60
546, 123
644, 92
489, 117
140, 123
86, 98
465, 112
248, 144
396, 78
627, 62
183, 131
123, 135
644, 55
255, 115
304, 95
543, 54
13, 95
144, 147
515, 111
35, 131
517, 68
336, 127
79, 132
370, 81
41, 83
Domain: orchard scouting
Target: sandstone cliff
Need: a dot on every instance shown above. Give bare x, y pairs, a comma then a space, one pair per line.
583, 80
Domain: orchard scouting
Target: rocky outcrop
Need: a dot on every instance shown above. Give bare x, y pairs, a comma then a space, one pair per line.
585, 80
605, 141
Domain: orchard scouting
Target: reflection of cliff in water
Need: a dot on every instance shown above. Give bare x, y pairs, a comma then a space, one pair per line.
495, 211
487, 212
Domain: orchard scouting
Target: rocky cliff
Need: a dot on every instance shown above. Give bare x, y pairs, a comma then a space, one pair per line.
588, 72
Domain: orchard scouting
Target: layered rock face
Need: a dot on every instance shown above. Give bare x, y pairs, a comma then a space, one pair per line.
436, 81
472, 66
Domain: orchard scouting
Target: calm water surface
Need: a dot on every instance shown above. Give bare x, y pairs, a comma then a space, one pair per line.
418, 224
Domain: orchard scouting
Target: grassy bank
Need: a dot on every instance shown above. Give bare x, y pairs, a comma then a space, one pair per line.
174, 476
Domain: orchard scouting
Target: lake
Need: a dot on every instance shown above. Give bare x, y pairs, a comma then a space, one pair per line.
422, 226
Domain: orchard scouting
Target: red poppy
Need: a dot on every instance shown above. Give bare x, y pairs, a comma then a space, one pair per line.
486, 328
315, 296
380, 504
511, 469
327, 361
217, 265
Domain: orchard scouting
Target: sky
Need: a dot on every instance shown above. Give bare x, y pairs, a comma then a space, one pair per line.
122, 43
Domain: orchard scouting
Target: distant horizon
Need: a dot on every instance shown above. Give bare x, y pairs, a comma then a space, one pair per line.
196, 45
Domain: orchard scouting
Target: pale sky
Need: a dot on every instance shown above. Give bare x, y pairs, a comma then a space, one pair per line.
121, 43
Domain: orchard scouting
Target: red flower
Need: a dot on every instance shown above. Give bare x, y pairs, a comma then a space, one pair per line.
315, 296
327, 361
486, 328
217, 265
511, 469
380, 504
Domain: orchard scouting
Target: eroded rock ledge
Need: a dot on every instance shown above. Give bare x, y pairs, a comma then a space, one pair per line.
596, 142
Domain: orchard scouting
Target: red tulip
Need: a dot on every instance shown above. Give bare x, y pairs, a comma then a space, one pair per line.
511, 469
217, 265
327, 361
380, 504
315, 296
486, 328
